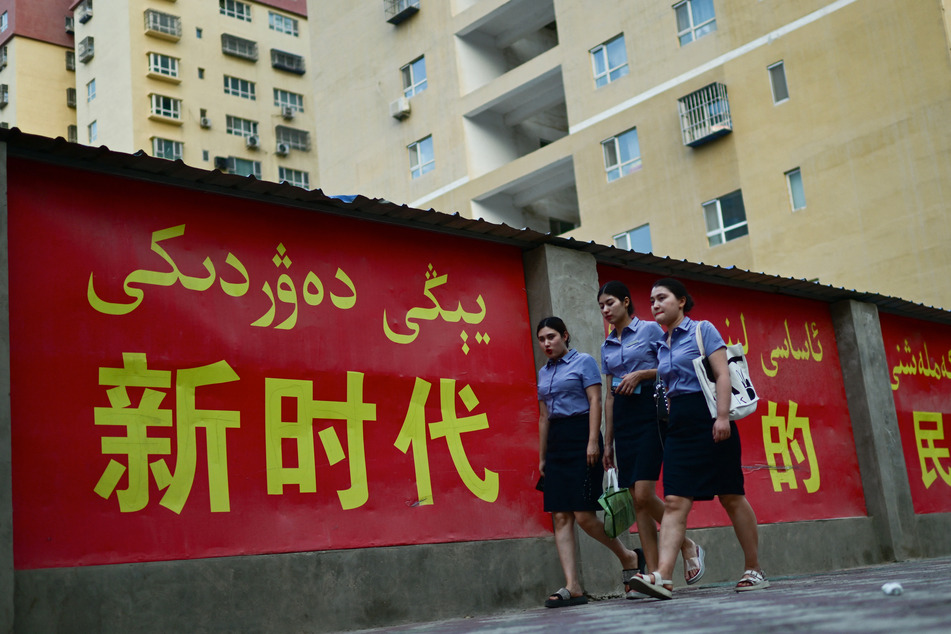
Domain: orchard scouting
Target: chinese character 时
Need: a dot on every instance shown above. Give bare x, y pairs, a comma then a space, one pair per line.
787, 430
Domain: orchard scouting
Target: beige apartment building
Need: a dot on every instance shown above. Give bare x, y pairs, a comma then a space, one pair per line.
808, 139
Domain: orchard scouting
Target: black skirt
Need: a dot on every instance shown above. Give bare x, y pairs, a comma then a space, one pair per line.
695, 466
570, 484
638, 439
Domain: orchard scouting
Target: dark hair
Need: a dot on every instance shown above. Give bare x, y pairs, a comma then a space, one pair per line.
619, 290
678, 289
556, 324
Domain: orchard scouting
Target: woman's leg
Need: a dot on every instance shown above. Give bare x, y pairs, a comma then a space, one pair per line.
564, 523
594, 527
649, 510
673, 528
744, 525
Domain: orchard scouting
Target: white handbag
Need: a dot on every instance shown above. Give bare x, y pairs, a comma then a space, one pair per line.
744, 396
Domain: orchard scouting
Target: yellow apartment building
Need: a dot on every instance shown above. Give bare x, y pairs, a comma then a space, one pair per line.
807, 139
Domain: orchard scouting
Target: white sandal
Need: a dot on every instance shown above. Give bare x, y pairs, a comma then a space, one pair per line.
754, 580
653, 585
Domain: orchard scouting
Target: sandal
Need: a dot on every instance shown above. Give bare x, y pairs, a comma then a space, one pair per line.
751, 580
627, 573
694, 565
653, 585
562, 599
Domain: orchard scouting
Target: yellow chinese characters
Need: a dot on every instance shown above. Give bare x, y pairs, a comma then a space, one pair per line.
787, 433
929, 427
451, 427
137, 446
301, 432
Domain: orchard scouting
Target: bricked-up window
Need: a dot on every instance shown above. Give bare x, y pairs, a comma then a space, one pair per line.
296, 139
239, 47
725, 218
235, 9
282, 60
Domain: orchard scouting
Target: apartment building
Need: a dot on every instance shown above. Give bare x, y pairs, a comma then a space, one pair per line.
806, 139
218, 83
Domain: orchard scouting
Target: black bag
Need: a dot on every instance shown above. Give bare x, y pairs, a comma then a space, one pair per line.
660, 400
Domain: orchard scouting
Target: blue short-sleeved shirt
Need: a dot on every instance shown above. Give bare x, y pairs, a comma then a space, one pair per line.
675, 363
562, 384
637, 350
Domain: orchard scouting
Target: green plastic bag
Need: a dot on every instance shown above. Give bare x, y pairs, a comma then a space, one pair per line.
618, 506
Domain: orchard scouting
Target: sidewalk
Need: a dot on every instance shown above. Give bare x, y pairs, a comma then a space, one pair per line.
847, 601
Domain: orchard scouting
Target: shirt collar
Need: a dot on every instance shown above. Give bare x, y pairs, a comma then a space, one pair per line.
630, 326
568, 355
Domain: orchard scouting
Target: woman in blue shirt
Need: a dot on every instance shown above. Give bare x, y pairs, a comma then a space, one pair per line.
632, 436
569, 450
701, 453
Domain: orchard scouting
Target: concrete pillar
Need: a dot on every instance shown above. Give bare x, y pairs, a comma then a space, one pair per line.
6, 476
564, 283
858, 334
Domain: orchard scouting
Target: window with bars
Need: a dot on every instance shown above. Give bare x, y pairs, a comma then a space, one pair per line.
70, 60
286, 99
296, 139
282, 60
414, 77
163, 65
239, 47
705, 115
163, 25
725, 218
282, 23
695, 18
167, 149
240, 127
167, 107
239, 87
87, 49
421, 157
235, 9
297, 178
622, 154
609, 61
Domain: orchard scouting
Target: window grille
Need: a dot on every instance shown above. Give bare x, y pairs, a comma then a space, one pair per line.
705, 115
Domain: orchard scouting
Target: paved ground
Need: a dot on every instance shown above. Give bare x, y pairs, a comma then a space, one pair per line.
847, 601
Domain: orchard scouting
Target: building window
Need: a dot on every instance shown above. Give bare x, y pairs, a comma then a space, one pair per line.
637, 239
609, 61
286, 99
71, 97
777, 82
163, 25
622, 154
235, 9
83, 11
163, 65
414, 77
198, 33
297, 178
166, 107
92, 131
695, 18
239, 87
244, 167
201, 73
166, 149
421, 158
282, 23
87, 49
70, 60
296, 139
90, 90
290, 62
239, 47
797, 195
4, 22
705, 115
240, 127
726, 218
205, 155
72, 134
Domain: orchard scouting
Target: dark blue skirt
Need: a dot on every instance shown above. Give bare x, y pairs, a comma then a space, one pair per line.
695, 466
638, 439
570, 484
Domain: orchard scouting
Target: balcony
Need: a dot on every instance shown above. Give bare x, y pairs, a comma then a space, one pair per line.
239, 47
397, 11
163, 25
705, 115
288, 62
87, 49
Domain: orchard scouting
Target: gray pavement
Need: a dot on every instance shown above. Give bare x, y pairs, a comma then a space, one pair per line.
845, 601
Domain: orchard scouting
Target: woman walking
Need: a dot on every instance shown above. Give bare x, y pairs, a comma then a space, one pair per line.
633, 439
701, 453
569, 449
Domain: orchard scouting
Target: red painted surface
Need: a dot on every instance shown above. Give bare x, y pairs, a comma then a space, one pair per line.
918, 354
804, 398
42, 20
66, 225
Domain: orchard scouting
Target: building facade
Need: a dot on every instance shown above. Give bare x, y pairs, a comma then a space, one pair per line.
804, 139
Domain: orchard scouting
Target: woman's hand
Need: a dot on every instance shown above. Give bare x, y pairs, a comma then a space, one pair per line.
721, 429
628, 383
541, 467
594, 453
608, 459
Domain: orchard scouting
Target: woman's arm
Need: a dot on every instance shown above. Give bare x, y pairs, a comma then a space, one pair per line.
608, 424
542, 436
594, 422
630, 380
721, 427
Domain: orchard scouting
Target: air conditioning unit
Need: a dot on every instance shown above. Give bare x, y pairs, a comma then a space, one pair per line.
252, 141
283, 149
85, 12
399, 109
221, 163
287, 112
205, 122
70, 24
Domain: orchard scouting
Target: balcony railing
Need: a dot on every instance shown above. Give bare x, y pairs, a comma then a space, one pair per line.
163, 25
397, 11
705, 115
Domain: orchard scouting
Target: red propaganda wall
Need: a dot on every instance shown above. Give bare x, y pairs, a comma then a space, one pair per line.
919, 361
200, 375
798, 451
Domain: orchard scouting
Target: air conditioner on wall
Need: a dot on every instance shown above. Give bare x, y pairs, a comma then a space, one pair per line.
287, 112
399, 109
252, 141
283, 149
205, 122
